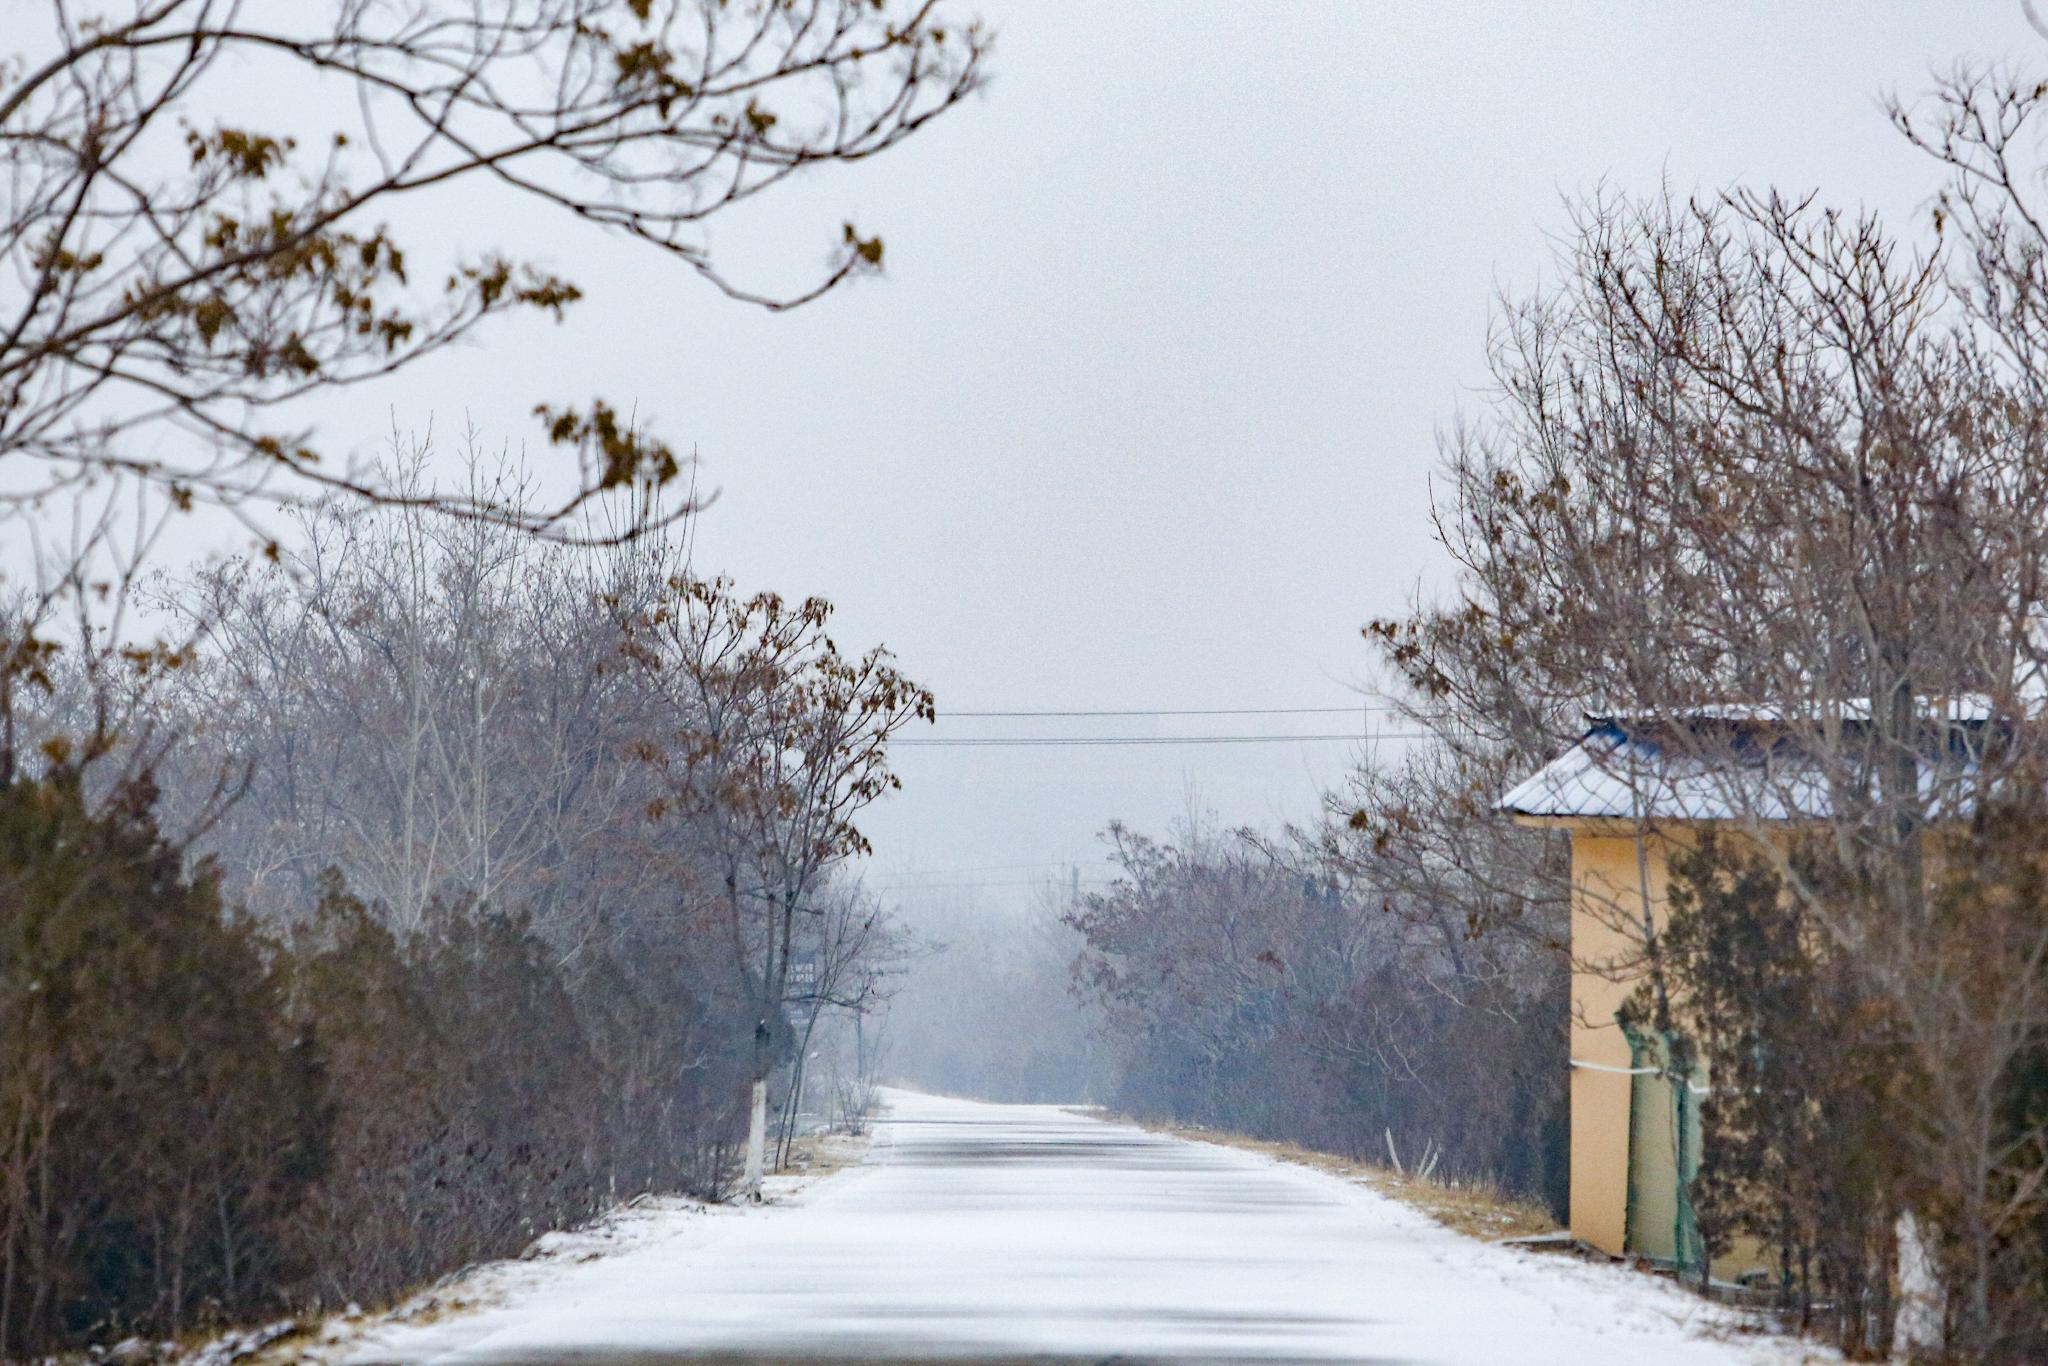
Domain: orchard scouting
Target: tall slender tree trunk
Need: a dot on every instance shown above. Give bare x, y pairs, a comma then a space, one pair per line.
796, 1090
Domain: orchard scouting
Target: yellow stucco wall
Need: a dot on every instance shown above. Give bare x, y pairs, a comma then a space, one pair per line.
1611, 885
1624, 1148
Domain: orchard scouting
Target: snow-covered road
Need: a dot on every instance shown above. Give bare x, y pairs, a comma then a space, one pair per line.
1030, 1232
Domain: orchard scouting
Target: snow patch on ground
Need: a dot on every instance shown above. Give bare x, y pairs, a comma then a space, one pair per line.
445, 1314
1617, 1300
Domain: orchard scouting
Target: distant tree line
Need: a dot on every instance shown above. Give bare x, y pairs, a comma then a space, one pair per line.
1272, 988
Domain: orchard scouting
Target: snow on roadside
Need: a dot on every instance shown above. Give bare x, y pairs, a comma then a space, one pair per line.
1635, 1301
647, 1223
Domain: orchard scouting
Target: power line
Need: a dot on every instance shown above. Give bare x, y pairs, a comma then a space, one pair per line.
1079, 741
1059, 866
1053, 882
945, 712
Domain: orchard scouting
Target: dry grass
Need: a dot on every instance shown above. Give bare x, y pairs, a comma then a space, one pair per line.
824, 1154
1476, 1209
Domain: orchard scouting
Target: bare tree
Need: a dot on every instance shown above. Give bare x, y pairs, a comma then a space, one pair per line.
421, 701
179, 283
1763, 486
847, 951
776, 745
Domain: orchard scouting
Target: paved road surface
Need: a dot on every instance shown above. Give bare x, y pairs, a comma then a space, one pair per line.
1030, 1233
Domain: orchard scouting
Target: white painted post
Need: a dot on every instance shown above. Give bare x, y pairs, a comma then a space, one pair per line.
1918, 1326
757, 1140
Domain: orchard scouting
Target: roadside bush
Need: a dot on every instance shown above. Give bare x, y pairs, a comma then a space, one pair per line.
674, 1050
1809, 1083
1466, 1070
352, 984
159, 1114
475, 1104
198, 1125
462, 1094
1825, 1135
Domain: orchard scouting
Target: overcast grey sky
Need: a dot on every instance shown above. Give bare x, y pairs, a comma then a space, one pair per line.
1143, 413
